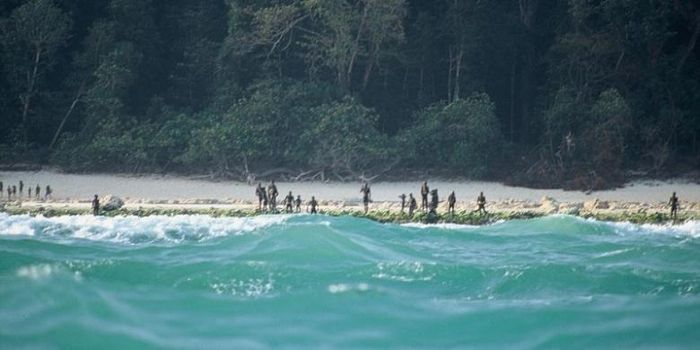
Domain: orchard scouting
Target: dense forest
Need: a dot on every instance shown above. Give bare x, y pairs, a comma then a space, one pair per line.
570, 93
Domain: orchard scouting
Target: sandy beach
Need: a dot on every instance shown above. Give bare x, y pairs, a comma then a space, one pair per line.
76, 190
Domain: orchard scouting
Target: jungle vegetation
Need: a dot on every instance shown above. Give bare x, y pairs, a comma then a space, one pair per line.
565, 93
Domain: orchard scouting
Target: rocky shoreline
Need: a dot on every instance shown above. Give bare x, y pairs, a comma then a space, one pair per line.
636, 212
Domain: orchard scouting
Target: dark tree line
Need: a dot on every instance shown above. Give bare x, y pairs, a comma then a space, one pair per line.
550, 93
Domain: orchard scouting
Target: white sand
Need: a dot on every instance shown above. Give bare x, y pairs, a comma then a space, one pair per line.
83, 187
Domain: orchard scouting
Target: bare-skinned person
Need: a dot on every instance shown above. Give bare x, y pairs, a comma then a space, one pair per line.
412, 205
260, 193
434, 201
272, 194
48, 192
451, 200
424, 191
313, 204
96, 206
481, 204
288, 202
265, 201
673, 202
1, 190
21, 187
297, 204
37, 191
403, 201
366, 195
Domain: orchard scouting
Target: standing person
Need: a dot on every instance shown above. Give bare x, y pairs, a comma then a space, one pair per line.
265, 201
37, 190
366, 194
260, 193
673, 202
297, 204
1, 192
424, 190
481, 203
313, 204
48, 192
9, 192
434, 201
14, 191
451, 200
96, 206
29, 192
403, 201
288, 202
21, 187
272, 195
412, 205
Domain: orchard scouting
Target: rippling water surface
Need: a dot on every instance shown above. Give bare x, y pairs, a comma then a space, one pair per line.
302, 282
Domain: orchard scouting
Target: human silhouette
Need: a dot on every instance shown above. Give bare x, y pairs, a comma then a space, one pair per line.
96, 206
673, 202
366, 196
424, 190
481, 203
288, 202
451, 200
313, 204
412, 205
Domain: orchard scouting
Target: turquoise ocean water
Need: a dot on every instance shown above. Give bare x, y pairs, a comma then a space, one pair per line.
300, 282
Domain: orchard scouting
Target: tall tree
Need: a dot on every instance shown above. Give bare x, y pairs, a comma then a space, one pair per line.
30, 38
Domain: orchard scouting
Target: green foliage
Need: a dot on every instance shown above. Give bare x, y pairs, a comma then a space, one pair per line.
463, 135
29, 39
346, 87
343, 137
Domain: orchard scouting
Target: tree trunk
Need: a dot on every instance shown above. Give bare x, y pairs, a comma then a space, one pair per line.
356, 48
26, 100
691, 44
458, 69
449, 78
65, 117
370, 66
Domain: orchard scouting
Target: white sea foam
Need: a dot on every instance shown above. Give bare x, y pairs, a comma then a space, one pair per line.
688, 228
403, 271
39, 272
248, 288
344, 288
132, 229
446, 226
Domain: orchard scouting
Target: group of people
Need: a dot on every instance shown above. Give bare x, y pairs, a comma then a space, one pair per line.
12, 191
267, 200
431, 206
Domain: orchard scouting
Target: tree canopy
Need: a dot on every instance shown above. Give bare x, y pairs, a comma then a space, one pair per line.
573, 93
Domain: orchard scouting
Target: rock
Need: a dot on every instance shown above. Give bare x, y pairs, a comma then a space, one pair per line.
549, 205
571, 208
596, 204
110, 202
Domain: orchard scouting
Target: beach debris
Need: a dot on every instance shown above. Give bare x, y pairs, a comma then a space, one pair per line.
111, 202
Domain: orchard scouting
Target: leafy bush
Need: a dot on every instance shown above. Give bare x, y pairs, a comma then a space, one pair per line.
343, 138
462, 135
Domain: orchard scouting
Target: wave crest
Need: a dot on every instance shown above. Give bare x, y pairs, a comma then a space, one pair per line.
132, 229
